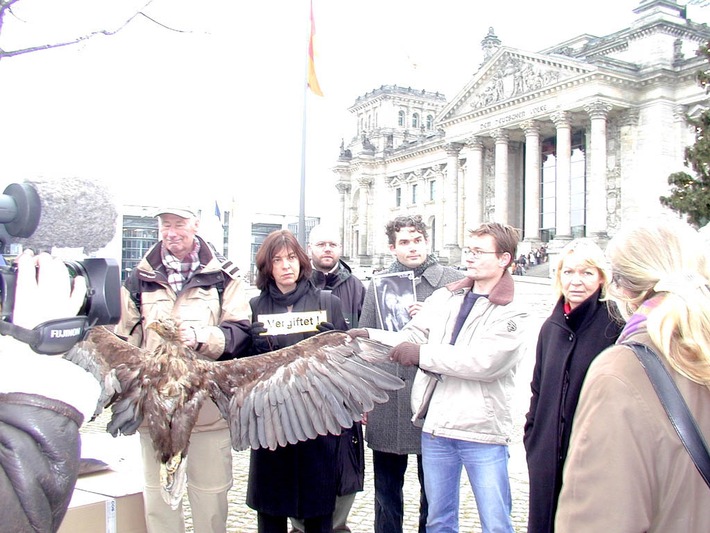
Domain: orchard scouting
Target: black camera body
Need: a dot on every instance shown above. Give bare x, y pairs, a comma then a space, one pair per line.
102, 305
21, 211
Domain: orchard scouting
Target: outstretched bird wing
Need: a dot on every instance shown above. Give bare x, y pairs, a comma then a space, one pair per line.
315, 387
117, 365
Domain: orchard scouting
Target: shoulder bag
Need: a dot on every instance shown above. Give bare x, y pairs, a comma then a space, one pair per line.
676, 408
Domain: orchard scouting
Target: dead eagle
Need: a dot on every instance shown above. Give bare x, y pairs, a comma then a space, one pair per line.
315, 387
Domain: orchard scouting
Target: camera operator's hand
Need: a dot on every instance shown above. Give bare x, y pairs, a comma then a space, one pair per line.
44, 290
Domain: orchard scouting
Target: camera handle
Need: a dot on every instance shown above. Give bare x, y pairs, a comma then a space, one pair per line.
52, 337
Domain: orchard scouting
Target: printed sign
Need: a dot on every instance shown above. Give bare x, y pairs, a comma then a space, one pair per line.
284, 323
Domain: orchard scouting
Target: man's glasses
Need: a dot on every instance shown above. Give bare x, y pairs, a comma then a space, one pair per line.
329, 244
475, 253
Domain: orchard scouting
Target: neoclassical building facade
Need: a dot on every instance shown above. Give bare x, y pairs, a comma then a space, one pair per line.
561, 143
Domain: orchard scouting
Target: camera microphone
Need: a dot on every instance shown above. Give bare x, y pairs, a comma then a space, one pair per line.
66, 213
69, 213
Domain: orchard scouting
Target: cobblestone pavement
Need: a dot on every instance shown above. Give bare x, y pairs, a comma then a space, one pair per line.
536, 293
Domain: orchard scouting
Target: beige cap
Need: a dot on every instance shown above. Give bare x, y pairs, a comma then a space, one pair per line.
182, 212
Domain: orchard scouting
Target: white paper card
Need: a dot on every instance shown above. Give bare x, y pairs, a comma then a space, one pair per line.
284, 323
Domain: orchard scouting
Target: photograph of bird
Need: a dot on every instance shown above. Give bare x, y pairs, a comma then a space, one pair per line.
317, 386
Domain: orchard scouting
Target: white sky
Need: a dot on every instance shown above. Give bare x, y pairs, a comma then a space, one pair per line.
215, 112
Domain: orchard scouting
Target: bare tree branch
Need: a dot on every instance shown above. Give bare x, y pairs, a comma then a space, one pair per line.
6, 6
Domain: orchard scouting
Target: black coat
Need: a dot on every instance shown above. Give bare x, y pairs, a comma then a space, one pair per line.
566, 347
298, 480
345, 286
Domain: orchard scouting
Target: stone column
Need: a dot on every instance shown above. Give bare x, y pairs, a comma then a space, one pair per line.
596, 209
563, 218
532, 180
627, 163
343, 219
685, 131
364, 213
501, 176
473, 188
451, 199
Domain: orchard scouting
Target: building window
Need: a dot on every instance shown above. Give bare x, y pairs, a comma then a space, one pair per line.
398, 197
400, 119
415, 120
138, 235
429, 122
432, 190
414, 193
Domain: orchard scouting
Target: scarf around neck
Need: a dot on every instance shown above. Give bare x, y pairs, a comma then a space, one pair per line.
290, 298
637, 321
180, 271
418, 271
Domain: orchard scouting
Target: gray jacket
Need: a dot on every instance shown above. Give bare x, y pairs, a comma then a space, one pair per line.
389, 426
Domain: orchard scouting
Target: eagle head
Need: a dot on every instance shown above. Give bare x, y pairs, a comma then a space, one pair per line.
168, 328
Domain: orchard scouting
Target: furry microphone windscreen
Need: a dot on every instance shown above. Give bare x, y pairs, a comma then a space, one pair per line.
76, 213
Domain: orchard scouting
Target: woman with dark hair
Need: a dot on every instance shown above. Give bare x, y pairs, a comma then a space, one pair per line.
298, 480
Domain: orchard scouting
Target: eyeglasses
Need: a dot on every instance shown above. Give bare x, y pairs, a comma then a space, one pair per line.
476, 253
329, 244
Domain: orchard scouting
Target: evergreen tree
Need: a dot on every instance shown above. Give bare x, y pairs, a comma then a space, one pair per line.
690, 195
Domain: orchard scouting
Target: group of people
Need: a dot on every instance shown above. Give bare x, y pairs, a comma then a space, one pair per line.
602, 454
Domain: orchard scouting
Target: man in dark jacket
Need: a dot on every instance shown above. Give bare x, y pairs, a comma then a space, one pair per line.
333, 274
390, 432
330, 272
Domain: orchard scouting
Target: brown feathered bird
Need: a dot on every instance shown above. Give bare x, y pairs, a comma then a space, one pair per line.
315, 387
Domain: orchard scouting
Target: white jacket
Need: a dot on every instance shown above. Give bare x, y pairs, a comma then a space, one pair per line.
472, 401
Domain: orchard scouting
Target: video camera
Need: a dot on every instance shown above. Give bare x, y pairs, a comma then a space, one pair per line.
20, 213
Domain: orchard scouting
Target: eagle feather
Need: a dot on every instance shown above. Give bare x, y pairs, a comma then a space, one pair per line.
317, 386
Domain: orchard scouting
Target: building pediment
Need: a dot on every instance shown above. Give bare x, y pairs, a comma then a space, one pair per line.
511, 74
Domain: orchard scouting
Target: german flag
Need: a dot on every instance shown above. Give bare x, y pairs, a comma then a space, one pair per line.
312, 79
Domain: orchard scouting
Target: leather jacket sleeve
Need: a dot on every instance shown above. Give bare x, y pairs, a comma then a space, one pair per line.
39, 461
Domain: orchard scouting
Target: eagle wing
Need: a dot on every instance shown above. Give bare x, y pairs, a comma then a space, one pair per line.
117, 366
315, 387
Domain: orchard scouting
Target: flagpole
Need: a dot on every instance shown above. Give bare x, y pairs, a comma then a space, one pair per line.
302, 196
310, 82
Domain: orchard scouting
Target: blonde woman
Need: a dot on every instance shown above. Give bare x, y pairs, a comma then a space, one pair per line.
627, 469
580, 327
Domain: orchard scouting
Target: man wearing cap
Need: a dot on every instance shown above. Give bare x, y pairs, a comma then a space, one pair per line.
181, 276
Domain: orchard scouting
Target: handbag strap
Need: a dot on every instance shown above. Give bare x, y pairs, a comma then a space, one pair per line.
676, 408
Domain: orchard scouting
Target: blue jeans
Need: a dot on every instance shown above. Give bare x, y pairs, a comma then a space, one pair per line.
487, 469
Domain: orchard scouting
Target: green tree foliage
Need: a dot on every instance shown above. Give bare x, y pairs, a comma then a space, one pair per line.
690, 194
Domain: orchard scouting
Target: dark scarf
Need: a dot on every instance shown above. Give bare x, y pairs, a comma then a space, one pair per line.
418, 271
290, 298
